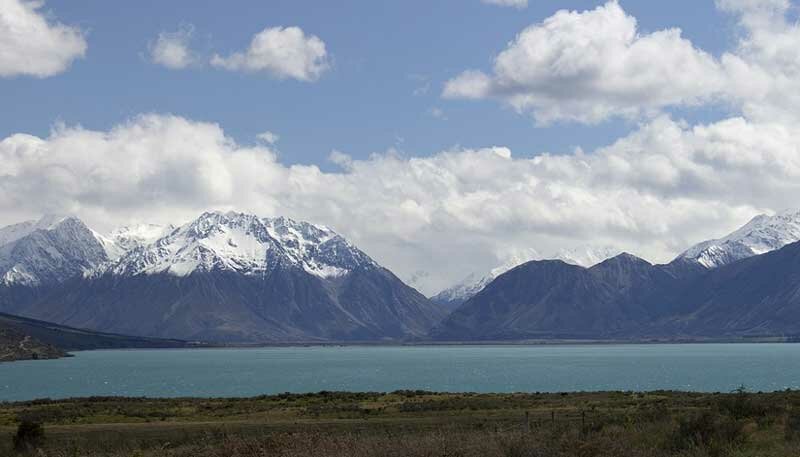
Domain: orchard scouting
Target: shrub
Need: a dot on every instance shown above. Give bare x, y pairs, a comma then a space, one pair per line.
792, 429
29, 436
708, 431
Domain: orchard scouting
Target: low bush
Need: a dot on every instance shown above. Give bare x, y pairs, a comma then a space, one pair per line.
29, 436
714, 433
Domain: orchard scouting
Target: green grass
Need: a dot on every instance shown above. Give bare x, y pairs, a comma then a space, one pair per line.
417, 424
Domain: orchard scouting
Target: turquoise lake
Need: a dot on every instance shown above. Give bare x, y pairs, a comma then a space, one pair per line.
256, 371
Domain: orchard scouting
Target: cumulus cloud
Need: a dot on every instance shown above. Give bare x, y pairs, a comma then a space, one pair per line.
653, 192
591, 65
764, 69
172, 49
519, 4
282, 52
32, 45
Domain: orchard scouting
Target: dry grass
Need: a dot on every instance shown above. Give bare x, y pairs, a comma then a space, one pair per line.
419, 424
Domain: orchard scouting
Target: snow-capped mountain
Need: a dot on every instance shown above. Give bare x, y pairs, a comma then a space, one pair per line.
14, 232
242, 243
762, 234
585, 256
49, 250
224, 277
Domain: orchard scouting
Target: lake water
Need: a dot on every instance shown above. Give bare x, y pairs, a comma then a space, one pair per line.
247, 372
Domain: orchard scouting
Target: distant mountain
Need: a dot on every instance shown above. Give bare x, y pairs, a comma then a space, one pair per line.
234, 277
586, 256
627, 298
22, 339
452, 297
547, 299
762, 234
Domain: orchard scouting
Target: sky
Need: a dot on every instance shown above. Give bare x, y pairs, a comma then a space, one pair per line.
441, 137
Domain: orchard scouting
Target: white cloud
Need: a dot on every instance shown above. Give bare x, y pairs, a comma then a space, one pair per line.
652, 193
591, 65
282, 53
172, 49
764, 69
33, 46
268, 137
520, 4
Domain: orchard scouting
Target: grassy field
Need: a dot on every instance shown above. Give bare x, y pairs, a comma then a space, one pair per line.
416, 424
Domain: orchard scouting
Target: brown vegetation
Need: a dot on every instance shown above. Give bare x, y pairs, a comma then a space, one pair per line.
412, 423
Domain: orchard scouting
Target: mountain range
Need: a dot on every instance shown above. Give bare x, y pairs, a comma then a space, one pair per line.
721, 288
225, 277
231, 277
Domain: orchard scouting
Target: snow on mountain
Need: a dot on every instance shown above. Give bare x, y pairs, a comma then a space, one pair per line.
318, 249
14, 232
762, 234
243, 243
134, 236
53, 248
585, 256
226, 241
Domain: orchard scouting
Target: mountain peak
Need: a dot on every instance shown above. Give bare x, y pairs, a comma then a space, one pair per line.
49, 250
626, 257
763, 233
49, 221
582, 256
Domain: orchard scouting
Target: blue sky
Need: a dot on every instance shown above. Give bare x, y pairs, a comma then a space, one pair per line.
467, 134
390, 61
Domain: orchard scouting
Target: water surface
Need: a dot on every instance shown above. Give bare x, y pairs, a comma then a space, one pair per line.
256, 371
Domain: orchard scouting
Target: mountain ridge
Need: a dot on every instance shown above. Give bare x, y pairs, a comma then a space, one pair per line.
455, 295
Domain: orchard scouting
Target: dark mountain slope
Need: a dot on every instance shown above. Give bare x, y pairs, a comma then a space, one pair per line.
755, 296
543, 299
39, 339
626, 297
285, 305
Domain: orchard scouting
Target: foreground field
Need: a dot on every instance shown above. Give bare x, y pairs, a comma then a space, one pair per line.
413, 424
